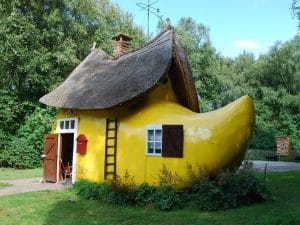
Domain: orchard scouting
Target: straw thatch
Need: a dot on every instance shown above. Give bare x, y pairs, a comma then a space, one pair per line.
101, 81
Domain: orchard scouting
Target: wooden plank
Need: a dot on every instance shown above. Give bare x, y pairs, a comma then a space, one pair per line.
50, 160
172, 141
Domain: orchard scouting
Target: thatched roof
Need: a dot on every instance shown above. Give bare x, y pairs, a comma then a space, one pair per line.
101, 82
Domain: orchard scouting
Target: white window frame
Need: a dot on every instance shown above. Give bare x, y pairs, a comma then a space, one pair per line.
65, 130
74, 130
153, 127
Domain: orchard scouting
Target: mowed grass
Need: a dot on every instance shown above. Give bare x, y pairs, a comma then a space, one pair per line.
64, 207
12, 174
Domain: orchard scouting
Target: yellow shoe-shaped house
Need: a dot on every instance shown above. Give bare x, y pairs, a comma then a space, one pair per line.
150, 96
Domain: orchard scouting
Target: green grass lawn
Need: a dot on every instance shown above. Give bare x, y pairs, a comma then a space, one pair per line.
11, 174
64, 207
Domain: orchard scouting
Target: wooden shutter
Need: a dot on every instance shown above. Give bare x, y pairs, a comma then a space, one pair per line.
50, 161
172, 141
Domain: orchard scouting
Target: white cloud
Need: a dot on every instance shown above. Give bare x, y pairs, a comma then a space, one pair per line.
246, 44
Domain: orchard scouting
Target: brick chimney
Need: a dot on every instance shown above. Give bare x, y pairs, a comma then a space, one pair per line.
121, 44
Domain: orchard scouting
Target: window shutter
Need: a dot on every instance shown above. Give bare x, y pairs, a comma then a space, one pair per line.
172, 141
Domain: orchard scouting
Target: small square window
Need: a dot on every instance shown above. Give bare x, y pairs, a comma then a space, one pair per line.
154, 140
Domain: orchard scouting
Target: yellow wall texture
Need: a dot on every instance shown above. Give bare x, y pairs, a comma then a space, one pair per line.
212, 140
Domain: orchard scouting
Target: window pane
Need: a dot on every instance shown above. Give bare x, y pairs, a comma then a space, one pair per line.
67, 124
158, 135
157, 147
150, 135
72, 124
150, 147
61, 125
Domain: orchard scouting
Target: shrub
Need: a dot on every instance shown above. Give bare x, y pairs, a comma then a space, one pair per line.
167, 198
226, 189
203, 195
104, 193
87, 189
4, 141
123, 190
169, 179
26, 147
145, 195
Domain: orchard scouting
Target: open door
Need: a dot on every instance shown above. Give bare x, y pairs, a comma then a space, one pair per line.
51, 145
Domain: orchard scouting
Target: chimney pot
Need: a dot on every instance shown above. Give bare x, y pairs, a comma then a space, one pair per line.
121, 44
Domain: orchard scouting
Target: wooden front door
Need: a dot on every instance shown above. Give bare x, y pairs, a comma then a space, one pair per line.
51, 144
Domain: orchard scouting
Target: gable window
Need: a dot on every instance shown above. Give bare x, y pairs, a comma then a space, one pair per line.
165, 140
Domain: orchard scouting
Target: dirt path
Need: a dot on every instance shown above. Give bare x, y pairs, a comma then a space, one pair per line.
28, 185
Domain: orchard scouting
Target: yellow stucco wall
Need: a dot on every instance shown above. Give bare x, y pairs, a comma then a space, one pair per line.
212, 140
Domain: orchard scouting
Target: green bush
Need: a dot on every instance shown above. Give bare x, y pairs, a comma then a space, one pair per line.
123, 190
4, 141
145, 195
120, 191
203, 195
25, 148
104, 192
226, 189
87, 189
167, 198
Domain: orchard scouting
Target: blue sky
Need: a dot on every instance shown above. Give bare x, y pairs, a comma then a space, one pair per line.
235, 25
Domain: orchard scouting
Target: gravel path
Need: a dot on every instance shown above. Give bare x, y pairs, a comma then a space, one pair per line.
276, 166
28, 185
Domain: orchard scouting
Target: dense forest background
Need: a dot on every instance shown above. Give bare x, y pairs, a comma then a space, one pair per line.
41, 41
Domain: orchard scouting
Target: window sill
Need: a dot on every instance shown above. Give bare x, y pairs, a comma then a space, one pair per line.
148, 154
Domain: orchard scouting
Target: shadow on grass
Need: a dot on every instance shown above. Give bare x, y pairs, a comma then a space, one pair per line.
80, 211
85, 212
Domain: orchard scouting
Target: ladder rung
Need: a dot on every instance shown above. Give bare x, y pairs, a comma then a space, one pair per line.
110, 155
110, 146
111, 137
108, 173
110, 164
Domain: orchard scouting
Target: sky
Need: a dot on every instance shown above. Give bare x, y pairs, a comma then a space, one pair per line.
235, 25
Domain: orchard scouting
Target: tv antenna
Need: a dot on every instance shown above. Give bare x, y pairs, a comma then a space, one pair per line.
150, 10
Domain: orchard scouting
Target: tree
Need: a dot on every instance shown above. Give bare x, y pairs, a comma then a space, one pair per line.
42, 41
276, 83
40, 44
296, 10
